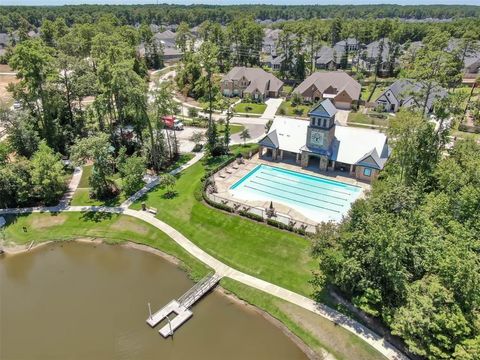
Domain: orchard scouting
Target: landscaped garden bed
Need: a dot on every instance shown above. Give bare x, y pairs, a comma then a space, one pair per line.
250, 108
289, 108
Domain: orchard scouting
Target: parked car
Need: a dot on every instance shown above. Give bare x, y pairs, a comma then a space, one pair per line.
17, 105
172, 123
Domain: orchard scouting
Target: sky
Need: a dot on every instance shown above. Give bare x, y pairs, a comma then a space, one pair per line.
237, 2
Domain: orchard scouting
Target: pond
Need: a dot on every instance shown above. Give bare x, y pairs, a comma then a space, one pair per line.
82, 301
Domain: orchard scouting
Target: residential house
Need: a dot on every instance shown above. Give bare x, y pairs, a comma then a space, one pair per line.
272, 62
270, 41
256, 82
4, 40
379, 49
338, 86
471, 59
407, 94
167, 38
323, 145
349, 45
329, 58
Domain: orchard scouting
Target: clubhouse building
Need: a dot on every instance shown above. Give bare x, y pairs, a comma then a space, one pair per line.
320, 144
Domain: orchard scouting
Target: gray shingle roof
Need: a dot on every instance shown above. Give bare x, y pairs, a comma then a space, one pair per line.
258, 78
326, 54
336, 79
373, 49
271, 140
405, 89
324, 109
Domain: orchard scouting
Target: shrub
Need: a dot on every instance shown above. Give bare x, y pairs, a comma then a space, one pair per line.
251, 216
298, 112
282, 111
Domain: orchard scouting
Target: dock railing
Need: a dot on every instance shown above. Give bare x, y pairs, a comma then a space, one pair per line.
198, 290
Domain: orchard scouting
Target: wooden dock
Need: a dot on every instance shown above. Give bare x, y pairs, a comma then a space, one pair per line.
181, 306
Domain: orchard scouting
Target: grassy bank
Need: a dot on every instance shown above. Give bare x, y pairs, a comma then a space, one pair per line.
113, 228
315, 331
257, 249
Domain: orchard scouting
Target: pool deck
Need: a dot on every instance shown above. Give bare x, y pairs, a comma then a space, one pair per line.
228, 176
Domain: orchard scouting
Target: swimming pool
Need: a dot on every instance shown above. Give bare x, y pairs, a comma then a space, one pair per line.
317, 198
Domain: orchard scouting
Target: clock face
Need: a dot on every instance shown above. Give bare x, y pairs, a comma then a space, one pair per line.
317, 137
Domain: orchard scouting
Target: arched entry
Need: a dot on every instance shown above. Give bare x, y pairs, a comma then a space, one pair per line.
313, 161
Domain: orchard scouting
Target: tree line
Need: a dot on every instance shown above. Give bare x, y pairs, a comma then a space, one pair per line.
12, 16
82, 82
408, 252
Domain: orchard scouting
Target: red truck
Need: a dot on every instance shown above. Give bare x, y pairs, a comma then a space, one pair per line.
172, 123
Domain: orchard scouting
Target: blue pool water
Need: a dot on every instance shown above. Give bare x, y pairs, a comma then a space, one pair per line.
316, 198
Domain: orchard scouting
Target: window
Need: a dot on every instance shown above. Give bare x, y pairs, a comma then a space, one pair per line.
367, 172
324, 122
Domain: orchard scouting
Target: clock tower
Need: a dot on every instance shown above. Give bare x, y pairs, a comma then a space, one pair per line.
321, 131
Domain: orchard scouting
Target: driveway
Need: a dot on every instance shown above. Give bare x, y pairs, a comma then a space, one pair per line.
272, 107
256, 131
183, 137
342, 116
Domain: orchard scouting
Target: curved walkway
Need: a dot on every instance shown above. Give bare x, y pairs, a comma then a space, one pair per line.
376, 341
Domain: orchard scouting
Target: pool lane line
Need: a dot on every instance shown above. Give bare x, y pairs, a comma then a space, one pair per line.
312, 185
294, 193
298, 201
299, 188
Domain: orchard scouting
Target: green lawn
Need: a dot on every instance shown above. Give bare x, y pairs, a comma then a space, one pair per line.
287, 89
315, 331
367, 92
256, 108
113, 228
360, 118
234, 128
287, 109
82, 194
268, 253
466, 135
116, 229
87, 172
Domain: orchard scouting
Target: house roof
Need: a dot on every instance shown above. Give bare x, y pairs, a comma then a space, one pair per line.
349, 41
355, 145
373, 49
372, 159
4, 39
258, 78
327, 54
338, 80
290, 133
351, 145
270, 140
165, 35
405, 89
324, 109
171, 51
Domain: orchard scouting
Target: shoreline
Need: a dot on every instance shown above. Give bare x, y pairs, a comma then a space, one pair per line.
11, 250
